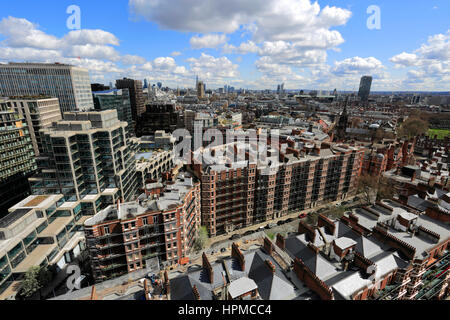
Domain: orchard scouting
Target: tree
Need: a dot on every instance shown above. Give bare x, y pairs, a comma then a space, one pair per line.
202, 239
413, 127
386, 189
367, 185
35, 279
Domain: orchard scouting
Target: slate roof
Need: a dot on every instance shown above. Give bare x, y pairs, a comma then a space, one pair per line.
271, 286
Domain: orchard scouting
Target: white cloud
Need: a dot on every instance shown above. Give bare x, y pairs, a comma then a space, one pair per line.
404, 59
212, 68
86, 36
22, 33
132, 59
358, 66
176, 54
208, 41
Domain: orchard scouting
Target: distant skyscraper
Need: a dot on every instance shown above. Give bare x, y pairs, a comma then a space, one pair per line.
200, 90
364, 88
136, 96
145, 83
71, 85
159, 85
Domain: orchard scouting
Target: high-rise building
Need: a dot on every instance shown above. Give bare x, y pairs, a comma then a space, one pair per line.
116, 99
88, 158
70, 84
158, 116
136, 96
17, 158
364, 88
40, 113
161, 226
99, 87
200, 90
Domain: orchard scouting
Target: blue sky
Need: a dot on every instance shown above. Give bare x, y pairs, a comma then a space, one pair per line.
302, 43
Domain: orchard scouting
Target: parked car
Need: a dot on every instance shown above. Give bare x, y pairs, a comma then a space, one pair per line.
271, 225
303, 215
289, 220
223, 250
235, 237
250, 232
280, 223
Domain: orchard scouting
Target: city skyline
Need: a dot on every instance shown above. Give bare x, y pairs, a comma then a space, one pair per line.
306, 45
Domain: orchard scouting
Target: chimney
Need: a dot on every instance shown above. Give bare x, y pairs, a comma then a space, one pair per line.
271, 266
195, 292
167, 283
268, 246
236, 253
208, 268
281, 242
94, 293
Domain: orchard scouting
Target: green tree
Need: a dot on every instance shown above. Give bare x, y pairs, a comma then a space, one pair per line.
412, 127
202, 239
35, 279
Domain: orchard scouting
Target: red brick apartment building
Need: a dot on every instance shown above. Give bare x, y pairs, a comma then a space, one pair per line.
161, 224
239, 194
381, 158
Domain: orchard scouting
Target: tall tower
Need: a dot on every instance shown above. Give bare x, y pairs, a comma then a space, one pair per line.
364, 88
341, 128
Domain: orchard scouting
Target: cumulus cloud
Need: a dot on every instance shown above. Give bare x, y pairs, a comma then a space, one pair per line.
430, 62
291, 32
404, 59
357, 66
208, 41
212, 68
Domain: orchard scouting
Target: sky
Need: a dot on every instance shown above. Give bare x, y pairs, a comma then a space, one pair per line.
252, 44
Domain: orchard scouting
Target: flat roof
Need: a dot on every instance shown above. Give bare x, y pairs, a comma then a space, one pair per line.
35, 258
55, 227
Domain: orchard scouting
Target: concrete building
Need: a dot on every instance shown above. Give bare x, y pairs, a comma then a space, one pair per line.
116, 99
17, 157
40, 113
70, 84
38, 231
364, 88
88, 158
161, 224
150, 166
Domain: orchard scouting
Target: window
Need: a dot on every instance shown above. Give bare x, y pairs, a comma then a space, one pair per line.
145, 221
133, 224
107, 230
125, 226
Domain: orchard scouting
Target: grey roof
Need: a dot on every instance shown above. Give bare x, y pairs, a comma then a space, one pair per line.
314, 261
271, 286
